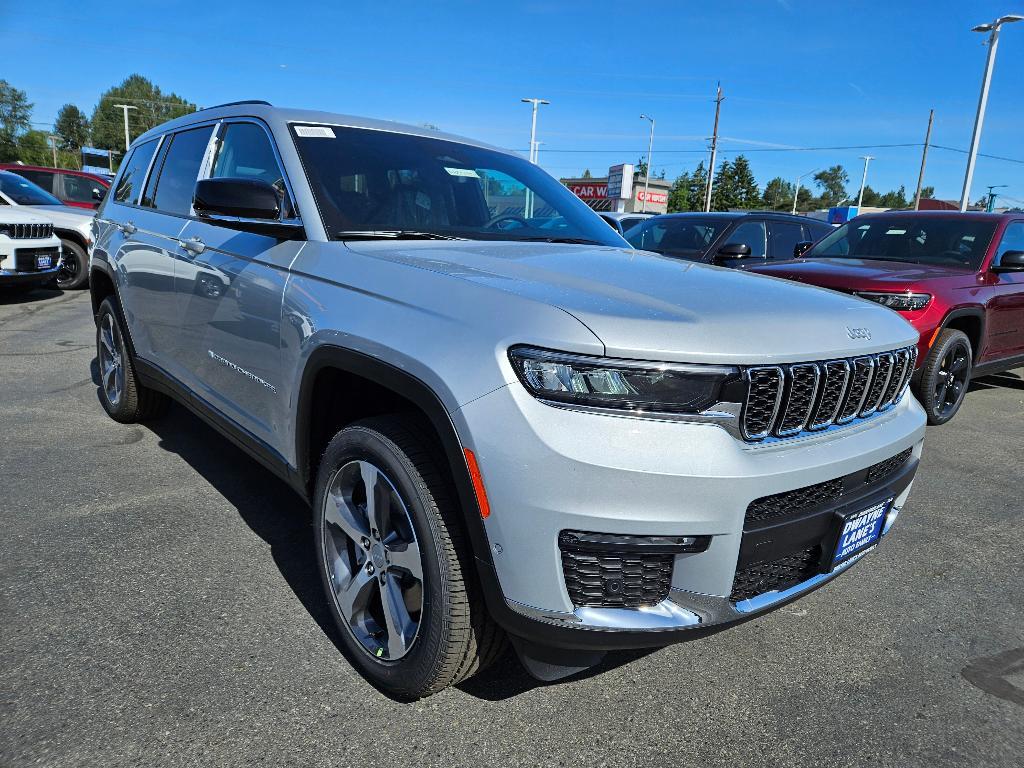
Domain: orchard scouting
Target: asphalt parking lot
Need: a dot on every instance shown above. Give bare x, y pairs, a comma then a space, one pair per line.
159, 606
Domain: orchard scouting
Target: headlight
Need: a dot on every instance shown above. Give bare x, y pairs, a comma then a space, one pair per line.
621, 384
901, 302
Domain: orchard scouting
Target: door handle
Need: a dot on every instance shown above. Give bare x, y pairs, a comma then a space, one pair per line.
128, 228
193, 245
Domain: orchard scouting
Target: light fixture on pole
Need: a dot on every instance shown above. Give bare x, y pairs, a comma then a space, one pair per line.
863, 179
533, 126
992, 195
796, 191
126, 107
993, 41
647, 176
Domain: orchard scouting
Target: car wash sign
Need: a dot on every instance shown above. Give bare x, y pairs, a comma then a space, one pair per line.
620, 182
588, 190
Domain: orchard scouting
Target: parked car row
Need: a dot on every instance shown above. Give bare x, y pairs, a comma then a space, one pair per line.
510, 426
77, 189
20, 270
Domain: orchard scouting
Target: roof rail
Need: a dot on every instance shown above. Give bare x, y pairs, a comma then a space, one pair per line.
236, 103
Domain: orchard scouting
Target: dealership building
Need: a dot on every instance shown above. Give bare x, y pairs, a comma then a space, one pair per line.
621, 191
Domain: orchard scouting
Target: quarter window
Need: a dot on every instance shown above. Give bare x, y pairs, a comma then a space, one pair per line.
1013, 240
133, 173
245, 152
180, 170
79, 189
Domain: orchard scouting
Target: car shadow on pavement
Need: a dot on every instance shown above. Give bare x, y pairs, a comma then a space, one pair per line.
28, 297
1008, 380
278, 516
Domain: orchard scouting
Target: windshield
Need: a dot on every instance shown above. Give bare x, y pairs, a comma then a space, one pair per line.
682, 236
368, 183
949, 242
24, 192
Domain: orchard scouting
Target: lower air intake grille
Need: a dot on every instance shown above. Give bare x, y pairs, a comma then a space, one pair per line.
788, 502
611, 579
776, 575
885, 468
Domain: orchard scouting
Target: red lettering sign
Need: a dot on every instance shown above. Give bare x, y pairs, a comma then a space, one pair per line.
653, 196
589, 191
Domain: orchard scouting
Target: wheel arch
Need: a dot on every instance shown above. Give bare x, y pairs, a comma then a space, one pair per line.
969, 320
101, 283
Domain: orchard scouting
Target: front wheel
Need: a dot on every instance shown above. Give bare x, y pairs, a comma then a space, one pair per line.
945, 376
124, 398
74, 267
394, 563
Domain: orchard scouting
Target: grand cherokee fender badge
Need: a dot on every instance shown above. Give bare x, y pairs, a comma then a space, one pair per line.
858, 333
238, 369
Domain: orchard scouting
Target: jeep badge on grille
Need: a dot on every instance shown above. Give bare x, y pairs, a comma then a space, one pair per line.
858, 333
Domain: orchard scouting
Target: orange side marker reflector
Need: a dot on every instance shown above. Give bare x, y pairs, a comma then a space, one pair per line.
934, 337
478, 484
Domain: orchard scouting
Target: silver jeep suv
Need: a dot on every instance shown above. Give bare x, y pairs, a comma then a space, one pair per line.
509, 425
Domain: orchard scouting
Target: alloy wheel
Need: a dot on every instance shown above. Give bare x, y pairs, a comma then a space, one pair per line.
951, 379
111, 358
372, 560
68, 270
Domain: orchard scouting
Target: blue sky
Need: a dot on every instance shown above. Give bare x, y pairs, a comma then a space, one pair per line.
795, 73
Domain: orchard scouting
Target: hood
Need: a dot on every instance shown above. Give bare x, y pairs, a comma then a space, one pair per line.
65, 216
20, 215
860, 274
641, 305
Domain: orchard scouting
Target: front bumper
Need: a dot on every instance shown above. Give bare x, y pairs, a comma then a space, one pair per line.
13, 277
548, 470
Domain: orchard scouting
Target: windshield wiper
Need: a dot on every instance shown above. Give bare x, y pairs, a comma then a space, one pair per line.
569, 240
392, 234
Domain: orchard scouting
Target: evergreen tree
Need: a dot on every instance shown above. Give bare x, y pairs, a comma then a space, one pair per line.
747, 193
72, 126
698, 186
896, 199
679, 194
723, 193
587, 174
778, 194
15, 117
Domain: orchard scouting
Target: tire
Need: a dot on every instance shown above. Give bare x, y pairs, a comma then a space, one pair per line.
74, 273
364, 568
945, 376
123, 397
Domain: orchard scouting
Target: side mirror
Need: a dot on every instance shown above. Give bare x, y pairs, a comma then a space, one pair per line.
733, 251
801, 248
1011, 261
234, 199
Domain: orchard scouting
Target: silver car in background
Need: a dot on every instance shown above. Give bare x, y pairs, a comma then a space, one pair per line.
509, 424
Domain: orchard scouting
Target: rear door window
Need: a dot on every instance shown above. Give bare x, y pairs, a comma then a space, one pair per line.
180, 170
42, 179
751, 233
782, 239
129, 182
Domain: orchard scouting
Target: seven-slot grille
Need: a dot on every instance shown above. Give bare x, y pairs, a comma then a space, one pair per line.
786, 400
27, 231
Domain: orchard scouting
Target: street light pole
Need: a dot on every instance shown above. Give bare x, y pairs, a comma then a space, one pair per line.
992, 195
533, 126
125, 107
993, 42
796, 192
647, 176
863, 179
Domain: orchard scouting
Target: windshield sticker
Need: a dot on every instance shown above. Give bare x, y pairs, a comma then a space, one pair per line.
467, 172
314, 132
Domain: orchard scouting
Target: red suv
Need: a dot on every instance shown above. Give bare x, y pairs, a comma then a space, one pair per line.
957, 277
75, 188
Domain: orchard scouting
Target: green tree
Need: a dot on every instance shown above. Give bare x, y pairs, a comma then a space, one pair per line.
72, 126
587, 174
778, 194
894, 199
698, 186
927, 192
679, 194
15, 119
640, 169
832, 182
747, 193
723, 193
34, 149
152, 107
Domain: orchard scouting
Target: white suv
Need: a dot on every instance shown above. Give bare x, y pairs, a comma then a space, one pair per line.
29, 251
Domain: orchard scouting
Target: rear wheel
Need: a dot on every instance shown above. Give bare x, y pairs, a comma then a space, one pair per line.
946, 376
123, 397
394, 564
74, 268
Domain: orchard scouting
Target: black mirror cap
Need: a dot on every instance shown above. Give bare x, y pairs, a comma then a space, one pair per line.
801, 248
733, 251
1010, 261
237, 198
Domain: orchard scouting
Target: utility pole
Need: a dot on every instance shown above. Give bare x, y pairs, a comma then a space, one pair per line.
126, 107
53, 145
924, 158
993, 42
647, 176
863, 180
714, 150
992, 196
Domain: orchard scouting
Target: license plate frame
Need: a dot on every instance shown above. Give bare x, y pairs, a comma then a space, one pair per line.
859, 531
